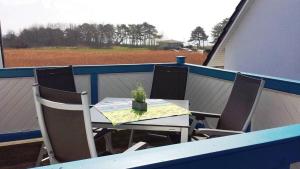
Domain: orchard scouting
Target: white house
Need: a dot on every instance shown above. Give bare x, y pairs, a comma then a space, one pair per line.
170, 44
262, 36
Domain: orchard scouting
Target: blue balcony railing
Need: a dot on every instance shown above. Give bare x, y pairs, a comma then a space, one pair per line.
278, 84
269, 149
274, 148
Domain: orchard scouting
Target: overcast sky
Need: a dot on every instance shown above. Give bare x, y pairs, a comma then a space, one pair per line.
175, 19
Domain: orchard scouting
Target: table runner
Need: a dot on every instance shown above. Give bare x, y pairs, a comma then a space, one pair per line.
119, 111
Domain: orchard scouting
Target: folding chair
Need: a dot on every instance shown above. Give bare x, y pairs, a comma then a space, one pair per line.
237, 114
169, 82
65, 123
62, 78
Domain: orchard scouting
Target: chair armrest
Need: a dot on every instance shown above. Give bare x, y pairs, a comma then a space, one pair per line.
202, 115
216, 132
137, 146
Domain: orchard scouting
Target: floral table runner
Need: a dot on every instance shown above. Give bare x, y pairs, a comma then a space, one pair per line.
119, 111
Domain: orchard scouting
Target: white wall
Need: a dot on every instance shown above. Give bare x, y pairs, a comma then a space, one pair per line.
267, 40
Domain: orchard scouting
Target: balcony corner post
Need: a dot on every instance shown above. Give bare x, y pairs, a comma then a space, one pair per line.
180, 60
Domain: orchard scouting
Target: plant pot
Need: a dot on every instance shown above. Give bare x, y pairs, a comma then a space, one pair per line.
139, 106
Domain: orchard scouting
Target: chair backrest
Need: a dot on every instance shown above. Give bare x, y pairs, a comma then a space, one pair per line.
60, 78
241, 103
65, 123
169, 82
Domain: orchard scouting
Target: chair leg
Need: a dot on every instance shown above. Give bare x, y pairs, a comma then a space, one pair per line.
131, 138
40, 156
108, 143
193, 125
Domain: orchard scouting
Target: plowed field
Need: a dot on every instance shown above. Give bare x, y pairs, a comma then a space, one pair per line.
85, 56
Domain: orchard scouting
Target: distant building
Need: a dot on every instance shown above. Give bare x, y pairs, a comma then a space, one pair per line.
170, 44
262, 37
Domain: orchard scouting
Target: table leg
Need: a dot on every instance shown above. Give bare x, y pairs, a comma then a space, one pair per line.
184, 135
131, 138
108, 143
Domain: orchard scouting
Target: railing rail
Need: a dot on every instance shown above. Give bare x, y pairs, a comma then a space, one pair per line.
267, 149
274, 83
84, 69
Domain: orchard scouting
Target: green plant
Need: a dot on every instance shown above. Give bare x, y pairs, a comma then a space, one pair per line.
139, 94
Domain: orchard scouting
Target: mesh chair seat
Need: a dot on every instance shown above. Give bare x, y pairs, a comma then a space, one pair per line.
60, 78
66, 129
241, 103
169, 82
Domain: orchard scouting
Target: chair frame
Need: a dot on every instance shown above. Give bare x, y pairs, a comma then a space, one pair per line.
220, 132
63, 106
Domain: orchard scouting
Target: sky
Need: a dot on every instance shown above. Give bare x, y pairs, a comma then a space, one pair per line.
175, 19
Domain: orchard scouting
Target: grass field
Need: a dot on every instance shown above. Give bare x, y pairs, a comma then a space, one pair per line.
87, 56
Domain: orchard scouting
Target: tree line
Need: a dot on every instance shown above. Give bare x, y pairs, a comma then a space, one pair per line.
100, 35
89, 35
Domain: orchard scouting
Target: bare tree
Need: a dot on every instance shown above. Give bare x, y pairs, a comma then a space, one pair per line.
121, 34
72, 36
198, 35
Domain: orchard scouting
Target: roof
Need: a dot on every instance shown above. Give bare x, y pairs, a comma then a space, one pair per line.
233, 17
169, 41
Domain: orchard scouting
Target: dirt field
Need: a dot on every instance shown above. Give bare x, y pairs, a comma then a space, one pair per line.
85, 56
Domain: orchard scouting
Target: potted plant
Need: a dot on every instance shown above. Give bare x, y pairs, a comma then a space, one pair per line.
139, 99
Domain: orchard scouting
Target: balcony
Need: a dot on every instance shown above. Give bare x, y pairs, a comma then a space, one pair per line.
208, 89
